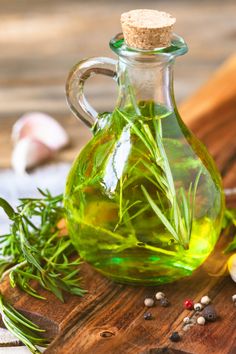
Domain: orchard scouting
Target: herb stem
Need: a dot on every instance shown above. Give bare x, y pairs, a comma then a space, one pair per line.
31, 252
9, 270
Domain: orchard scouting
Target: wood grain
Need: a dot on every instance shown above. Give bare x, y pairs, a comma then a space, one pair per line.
109, 319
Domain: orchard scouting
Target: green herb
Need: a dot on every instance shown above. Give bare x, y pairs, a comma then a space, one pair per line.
179, 220
25, 330
229, 221
34, 249
229, 218
231, 246
35, 252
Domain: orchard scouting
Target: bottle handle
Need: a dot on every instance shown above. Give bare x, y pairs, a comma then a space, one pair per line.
75, 86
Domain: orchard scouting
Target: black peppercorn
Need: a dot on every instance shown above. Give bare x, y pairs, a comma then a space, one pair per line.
147, 316
175, 337
164, 302
209, 313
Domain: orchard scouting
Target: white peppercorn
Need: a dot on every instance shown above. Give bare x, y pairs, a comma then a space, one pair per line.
197, 307
148, 302
201, 320
160, 295
186, 320
205, 300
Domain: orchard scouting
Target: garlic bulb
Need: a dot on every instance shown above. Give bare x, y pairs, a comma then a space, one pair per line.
41, 127
36, 136
29, 153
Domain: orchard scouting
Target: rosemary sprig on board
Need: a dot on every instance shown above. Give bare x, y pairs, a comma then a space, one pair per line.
38, 250
35, 250
25, 330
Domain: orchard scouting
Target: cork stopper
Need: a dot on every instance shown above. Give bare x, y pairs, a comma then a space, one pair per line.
147, 29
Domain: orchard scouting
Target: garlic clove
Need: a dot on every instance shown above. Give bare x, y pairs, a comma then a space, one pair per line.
232, 267
41, 127
28, 153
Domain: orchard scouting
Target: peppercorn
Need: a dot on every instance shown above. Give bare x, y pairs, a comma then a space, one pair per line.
187, 327
186, 320
209, 313
147, 316
148, 302
188, 304
175, 337
160, 295
164, 302
197, 307
205, 300
201, 320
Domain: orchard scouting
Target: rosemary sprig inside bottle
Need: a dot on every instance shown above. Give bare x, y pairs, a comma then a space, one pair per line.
36, 251
179, 219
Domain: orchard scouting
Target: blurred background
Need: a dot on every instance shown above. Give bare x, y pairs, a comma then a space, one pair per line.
41, 40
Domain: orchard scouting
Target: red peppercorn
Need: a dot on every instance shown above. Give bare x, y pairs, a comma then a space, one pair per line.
188, 304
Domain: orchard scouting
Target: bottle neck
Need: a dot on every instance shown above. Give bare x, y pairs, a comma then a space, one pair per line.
145, 81
146, 75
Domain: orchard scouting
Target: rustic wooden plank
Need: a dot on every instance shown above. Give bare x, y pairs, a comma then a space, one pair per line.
120, 314
223, 87
212, 117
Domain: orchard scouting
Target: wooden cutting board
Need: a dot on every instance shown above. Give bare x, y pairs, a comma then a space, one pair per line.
109, 319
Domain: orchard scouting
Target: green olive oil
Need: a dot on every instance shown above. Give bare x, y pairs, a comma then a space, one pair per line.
143, 198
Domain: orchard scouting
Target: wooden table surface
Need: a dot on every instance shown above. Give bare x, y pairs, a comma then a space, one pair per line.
36, 56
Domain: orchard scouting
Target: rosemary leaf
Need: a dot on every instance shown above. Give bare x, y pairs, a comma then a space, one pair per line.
25, 330
7, 208
159, 213
231, 246
178, 216
229, 221
35, 251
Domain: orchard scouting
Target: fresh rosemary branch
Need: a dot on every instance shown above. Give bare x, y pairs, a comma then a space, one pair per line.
37, 250
34, 250
25, 330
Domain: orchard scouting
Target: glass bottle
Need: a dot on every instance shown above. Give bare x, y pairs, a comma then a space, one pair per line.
144, 199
